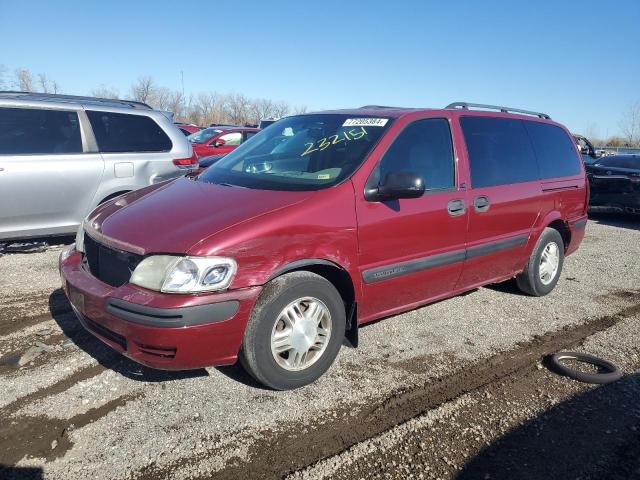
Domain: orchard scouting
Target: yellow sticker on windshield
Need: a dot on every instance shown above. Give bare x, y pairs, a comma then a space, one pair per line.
324, 176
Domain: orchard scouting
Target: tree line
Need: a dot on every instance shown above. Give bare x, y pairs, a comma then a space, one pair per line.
205, 108
202, 108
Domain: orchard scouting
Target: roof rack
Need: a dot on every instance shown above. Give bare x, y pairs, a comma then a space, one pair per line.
466, 106
56, 97
378, 106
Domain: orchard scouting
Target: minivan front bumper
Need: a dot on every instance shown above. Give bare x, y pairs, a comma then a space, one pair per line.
166, 331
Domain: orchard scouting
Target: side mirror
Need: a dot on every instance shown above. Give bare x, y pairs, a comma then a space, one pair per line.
399, 185
220, 142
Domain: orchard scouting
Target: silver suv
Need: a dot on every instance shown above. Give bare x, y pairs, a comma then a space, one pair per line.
62, 155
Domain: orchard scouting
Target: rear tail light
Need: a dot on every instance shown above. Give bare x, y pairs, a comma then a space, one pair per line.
187, 163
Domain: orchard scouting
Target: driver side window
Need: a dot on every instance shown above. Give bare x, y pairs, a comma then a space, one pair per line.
425, 148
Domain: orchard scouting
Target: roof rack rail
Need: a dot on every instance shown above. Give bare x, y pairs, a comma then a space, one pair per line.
72, 98
466, 106
377, 106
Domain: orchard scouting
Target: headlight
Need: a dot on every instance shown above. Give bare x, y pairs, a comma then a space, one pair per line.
171, 274
80, 239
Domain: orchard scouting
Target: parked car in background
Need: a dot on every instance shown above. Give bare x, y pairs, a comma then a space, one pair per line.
587, 150
61, 156
206, 162
265, 122
615, 182
336, 219
188, 128
218, 140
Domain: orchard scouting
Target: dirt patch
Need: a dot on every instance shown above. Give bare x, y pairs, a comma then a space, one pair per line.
17, 313
299, 446
58, 387
44, 437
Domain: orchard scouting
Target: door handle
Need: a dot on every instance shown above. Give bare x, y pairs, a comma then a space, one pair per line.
1, 169
456, 208
481, 203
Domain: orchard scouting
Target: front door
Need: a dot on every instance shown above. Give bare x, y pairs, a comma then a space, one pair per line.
412, 250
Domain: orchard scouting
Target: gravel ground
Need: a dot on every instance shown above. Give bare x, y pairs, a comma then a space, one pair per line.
78, 410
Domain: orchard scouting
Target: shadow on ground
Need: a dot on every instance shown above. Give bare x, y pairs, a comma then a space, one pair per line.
595, 435
61, 312
616, 219
20, 473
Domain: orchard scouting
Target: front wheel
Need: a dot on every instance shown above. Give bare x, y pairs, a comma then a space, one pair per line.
295, 331
542, 272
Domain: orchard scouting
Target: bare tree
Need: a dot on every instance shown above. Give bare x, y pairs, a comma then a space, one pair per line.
24, 80
4, 84
630, 125
299, 109
143, 89
176, 104
237, 107
47, 85
259, 109
105, 92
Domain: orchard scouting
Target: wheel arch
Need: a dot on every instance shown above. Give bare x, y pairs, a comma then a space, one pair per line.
339, 277
554, 220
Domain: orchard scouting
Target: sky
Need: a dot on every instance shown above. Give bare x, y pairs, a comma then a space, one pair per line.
577, 61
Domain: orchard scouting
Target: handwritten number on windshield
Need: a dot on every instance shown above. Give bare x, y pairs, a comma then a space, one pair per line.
326, 142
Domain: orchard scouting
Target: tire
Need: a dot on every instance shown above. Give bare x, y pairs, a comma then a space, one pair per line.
530, 280
611, 374
268, 321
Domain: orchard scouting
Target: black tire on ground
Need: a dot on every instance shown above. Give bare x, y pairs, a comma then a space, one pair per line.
611, 373
255, 353
529, 279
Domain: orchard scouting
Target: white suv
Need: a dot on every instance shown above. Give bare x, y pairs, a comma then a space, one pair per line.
62, 155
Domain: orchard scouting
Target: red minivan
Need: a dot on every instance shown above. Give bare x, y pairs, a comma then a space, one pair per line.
322, 223
217, 140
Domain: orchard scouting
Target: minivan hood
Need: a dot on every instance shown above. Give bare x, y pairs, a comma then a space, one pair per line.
177, 215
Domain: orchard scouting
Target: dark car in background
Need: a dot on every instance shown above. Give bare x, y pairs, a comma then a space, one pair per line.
615, 182
206, 162
219, 140
587, 150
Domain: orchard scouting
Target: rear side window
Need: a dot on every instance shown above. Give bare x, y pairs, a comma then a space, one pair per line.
120, 132
554, 150
499, 150
424, 147
25, 131
231, 139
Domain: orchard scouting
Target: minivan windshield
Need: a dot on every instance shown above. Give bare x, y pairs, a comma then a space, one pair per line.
203, 135
305, 152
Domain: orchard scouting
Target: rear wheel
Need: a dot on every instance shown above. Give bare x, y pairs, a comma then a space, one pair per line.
543, 270
295, 331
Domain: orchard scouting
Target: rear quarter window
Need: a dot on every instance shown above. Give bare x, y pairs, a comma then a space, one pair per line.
29, 131
499, 151
554, 150
121, 132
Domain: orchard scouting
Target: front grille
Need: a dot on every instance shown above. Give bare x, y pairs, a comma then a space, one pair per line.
113, 267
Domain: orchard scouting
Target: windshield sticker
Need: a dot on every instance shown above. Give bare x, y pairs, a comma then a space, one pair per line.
365, 122
326, 142
324, 176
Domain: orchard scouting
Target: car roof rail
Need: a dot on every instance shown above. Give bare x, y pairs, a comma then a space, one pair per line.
57, 97
466, 106
379, 106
